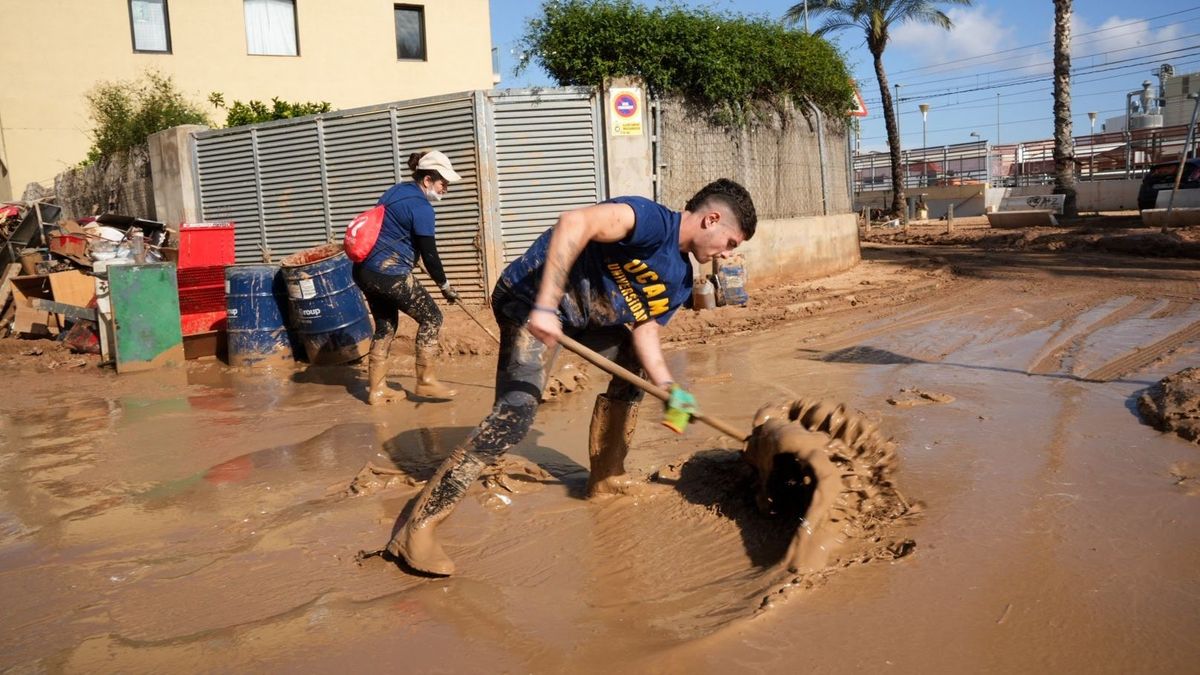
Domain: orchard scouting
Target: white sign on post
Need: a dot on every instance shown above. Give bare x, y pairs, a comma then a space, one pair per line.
625, 105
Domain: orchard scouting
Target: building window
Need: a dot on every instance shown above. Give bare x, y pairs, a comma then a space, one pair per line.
410, 33
271, 27
149, 24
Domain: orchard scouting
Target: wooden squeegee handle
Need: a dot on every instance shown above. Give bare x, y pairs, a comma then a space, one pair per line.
646, 386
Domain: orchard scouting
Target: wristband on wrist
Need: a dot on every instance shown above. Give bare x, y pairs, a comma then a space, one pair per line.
544, 308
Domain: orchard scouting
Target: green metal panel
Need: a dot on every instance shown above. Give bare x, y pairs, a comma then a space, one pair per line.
145, 304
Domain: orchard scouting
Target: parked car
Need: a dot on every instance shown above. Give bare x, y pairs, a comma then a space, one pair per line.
1162, 177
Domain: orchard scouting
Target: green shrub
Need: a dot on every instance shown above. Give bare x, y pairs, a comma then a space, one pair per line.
253, 112
726, 64
126, 112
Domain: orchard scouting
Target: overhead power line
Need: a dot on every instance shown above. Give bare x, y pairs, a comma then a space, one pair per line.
1085, 70
1194, 38
1045, 42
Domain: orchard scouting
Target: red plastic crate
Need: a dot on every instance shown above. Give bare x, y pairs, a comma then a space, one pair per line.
199, 300
200, 277
205, 245
205, 250
203, 322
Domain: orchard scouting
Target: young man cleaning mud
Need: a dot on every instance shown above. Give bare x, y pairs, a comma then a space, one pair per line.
609, 276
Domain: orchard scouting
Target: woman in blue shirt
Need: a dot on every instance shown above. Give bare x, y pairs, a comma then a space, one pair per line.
386, 278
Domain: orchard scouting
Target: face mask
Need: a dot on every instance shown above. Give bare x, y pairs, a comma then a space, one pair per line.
432, 194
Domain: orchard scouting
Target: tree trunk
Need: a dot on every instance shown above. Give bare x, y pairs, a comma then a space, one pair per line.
1064, 144
893, 133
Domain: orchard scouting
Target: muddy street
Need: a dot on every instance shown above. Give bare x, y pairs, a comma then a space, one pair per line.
213, 517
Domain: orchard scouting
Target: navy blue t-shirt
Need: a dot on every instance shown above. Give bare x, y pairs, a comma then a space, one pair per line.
644, 276
407, 214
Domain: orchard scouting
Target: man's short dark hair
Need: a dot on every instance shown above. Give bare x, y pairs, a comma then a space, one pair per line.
735, 197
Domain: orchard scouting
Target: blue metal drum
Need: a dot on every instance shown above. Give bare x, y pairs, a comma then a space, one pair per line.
327, 308
257, 303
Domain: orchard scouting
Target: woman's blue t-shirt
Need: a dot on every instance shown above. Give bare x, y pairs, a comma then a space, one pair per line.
407, 214
644, 276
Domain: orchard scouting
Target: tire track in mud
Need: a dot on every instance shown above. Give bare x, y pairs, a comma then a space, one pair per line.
1142, 357
969, 294
1173, 308
1069, 339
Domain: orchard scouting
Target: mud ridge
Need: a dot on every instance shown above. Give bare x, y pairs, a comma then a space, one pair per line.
1173, 404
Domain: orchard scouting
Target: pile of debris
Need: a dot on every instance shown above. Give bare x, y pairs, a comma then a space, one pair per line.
52, 270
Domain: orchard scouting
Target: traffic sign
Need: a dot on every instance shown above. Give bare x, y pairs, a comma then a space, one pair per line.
860, 107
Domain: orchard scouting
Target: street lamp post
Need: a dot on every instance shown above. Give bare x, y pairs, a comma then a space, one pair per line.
1092, 146
987, 160
924, 144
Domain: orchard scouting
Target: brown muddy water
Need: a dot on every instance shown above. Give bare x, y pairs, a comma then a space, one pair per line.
203, 519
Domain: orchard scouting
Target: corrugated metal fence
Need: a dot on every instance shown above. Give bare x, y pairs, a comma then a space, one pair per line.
524, 156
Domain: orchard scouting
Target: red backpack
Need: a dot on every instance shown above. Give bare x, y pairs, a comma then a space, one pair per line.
362, 232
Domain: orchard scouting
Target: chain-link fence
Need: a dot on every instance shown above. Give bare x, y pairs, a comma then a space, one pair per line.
787, 165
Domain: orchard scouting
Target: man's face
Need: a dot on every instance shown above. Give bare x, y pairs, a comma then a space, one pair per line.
719, 235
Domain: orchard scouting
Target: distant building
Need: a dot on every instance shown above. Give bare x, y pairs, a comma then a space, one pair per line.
348, 52
1178, 108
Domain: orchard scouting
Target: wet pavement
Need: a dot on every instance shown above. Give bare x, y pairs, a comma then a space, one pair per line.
201, 519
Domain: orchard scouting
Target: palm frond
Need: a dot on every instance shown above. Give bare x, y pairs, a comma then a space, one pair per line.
931, 16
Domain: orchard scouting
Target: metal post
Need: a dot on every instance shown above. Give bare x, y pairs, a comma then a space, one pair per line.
1092, 147
997, 118
1187, 143
821, 157
950, 218
924, 144
987, 166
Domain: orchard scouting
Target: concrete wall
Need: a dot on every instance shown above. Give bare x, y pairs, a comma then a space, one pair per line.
174, 181
57, 50
801, 248
968, 199
779, 158
629, 157
1183, 199
120, 183
971, 200
1092, 195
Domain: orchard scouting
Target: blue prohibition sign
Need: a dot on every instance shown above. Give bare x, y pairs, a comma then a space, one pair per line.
626, 105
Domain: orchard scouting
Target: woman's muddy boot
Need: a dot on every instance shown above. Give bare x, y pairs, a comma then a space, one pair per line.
612, 428
428, 386
416, 542
378, 391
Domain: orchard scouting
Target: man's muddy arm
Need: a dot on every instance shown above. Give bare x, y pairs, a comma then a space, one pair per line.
648, 347
572, 232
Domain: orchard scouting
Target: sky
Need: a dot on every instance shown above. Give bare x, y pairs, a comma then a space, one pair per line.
1000, 47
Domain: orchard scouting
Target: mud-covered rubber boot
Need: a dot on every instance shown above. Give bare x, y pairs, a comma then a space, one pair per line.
378, 391
416, 542
428, 386
611, 429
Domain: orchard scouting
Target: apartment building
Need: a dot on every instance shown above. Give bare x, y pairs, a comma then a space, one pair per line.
348, 52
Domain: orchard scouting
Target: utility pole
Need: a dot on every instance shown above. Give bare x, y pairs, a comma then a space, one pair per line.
805, 16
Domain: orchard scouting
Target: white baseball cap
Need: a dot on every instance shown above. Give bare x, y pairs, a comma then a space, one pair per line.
435, 160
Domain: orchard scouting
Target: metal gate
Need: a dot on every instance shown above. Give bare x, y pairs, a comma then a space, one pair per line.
548, 160
524, 157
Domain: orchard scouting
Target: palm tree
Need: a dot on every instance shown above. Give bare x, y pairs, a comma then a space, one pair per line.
1064, 144
876, 18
